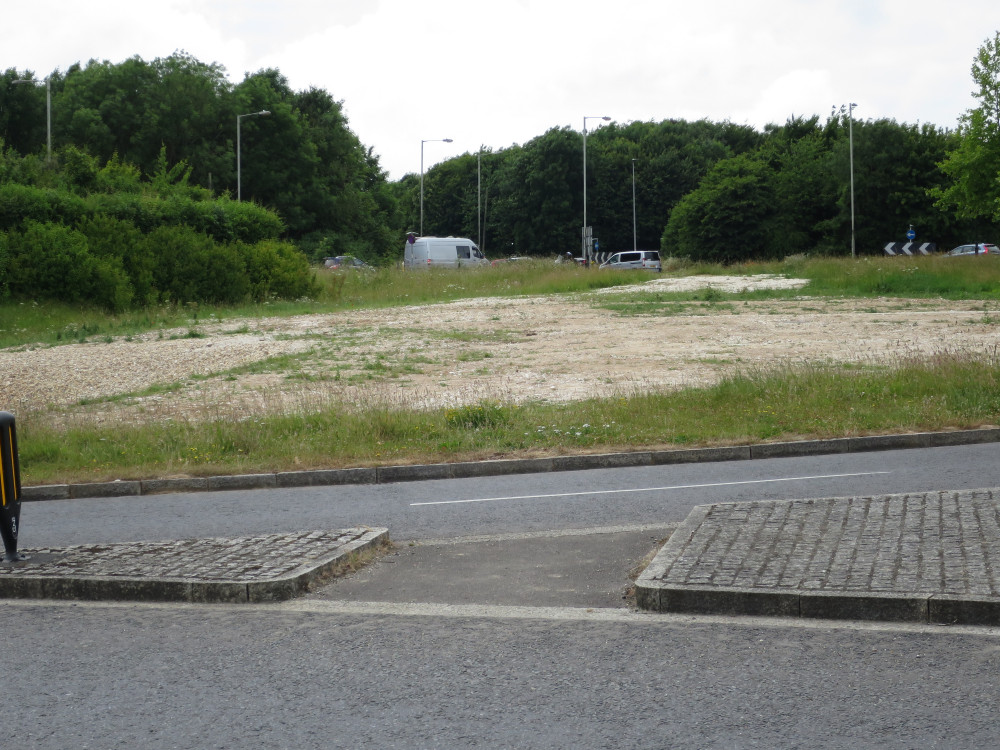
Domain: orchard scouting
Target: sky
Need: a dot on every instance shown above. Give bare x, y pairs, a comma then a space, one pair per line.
492, 73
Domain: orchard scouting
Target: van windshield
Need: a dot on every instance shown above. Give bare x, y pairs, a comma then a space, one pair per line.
477, 252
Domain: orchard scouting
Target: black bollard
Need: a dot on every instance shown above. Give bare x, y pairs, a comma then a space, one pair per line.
10, 488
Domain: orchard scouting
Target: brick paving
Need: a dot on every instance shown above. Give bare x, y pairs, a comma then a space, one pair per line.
907, 556
252, 568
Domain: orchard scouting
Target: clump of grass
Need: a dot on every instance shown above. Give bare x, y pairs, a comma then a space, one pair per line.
484, 415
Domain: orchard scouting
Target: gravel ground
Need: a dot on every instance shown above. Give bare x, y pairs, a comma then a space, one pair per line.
553, 348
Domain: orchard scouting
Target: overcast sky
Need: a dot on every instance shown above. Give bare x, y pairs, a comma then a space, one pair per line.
496, 72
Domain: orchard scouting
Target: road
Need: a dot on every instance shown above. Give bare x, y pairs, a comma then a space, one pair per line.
508, 504
323, 672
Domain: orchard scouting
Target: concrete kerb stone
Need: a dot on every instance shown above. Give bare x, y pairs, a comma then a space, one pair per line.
943, 609
879, 607
117, 488
388, 474
886, 442
800, 448
46, 492
963, 437
325, 477
415, 473
174, 484
243, 482
700, 455
502, 467
602, 461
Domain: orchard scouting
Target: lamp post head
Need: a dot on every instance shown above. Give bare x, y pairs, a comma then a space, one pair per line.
446, 140
264, 113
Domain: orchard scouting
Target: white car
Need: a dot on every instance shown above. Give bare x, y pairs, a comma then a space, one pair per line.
645, 260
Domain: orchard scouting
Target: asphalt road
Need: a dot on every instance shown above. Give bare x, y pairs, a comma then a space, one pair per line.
97, 676
338, 669
508, 504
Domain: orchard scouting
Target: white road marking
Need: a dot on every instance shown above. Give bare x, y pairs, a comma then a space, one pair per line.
648, 489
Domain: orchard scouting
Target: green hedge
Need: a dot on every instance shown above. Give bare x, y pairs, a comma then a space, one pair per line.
52, 261
109, 262
223, 220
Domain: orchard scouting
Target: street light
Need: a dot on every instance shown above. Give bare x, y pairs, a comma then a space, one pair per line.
48, 109
850, 137
479, 196
635, 230
239, 166
586, 245
429, 140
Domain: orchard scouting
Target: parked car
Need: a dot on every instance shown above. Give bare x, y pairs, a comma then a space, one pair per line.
981, 248
646, 260
345, 262
442, 252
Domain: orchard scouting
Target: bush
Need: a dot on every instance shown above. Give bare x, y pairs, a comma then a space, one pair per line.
191, 267
20, 203
120, 240
4, 263
143, 211
249, 222
277, 269
51, 261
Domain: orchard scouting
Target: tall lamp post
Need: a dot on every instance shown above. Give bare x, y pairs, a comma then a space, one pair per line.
635, 228
586, 245
48, 109
239, 165
479, 196
429, 140
850, 138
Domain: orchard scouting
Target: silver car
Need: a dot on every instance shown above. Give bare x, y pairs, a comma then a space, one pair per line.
981, 248
645, 260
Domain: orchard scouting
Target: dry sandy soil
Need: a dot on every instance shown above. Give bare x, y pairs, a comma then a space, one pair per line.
553, 348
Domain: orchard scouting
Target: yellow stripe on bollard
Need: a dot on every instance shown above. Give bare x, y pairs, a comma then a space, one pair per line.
3, 484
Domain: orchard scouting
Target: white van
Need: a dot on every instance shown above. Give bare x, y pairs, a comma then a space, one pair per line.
442, 252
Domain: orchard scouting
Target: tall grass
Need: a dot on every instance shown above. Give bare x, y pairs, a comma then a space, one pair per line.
932, 276
748, 406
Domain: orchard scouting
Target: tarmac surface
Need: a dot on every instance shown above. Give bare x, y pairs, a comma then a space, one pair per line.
932, 557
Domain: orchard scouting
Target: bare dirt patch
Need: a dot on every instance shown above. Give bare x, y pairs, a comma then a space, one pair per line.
553, 348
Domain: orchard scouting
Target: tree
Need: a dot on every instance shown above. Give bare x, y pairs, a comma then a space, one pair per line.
727, 217
973, 167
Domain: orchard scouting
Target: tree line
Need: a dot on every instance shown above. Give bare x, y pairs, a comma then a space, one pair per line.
301, 160
715, 191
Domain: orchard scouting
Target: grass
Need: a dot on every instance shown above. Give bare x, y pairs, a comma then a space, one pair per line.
945, 391
748, 406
